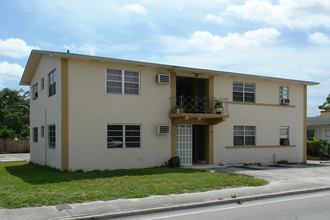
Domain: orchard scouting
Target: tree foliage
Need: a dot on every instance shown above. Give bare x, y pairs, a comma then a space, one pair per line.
14, 113
326, 104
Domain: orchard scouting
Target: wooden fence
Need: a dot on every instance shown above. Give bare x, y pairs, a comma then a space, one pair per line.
13, 146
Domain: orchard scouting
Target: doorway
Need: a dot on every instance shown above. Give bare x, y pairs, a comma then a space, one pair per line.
191, 143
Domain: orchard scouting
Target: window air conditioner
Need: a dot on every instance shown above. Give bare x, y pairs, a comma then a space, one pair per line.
163, 78
284, 141
285, 101
163, 129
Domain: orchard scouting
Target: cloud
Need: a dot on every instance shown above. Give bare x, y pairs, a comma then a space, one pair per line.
291, 13
85, 49
319, 38
134, 8
9, 72
206, 41
15, 48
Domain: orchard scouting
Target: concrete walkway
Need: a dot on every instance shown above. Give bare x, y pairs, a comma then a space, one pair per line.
14, 157
284, 180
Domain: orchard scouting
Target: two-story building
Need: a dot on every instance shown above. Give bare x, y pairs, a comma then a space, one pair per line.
92, 112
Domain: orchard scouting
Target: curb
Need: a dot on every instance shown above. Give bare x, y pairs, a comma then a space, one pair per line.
195, 205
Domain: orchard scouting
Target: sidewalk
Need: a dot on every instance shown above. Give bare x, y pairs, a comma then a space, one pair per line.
284, 180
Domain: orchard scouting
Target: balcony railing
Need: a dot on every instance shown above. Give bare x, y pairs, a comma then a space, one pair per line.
198, 104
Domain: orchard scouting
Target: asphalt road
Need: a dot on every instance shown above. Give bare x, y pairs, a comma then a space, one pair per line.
304, 206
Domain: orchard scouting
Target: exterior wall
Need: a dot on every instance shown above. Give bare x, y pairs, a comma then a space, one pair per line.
320, 132
266, 118
325, 113
45, 111
91, 109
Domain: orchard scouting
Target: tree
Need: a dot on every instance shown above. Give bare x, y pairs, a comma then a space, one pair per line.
14, 113
326, 104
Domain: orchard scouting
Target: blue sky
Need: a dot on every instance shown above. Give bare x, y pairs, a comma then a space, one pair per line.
286, 38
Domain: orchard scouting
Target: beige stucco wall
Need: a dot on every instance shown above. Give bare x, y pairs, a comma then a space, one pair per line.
91, 109
267, 120
45, 111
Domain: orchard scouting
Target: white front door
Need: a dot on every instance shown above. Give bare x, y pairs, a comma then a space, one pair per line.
184, 144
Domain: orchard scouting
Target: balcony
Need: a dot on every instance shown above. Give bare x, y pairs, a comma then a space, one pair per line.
199, 110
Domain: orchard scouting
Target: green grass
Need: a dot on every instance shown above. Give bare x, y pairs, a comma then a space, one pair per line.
24, 184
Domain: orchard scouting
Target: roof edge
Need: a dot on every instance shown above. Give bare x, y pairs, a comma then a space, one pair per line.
30, 67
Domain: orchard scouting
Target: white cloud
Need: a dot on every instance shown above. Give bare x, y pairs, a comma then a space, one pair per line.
206, 41
319, 38
85, 49
134, 8
290, 13
9, 72
16, 48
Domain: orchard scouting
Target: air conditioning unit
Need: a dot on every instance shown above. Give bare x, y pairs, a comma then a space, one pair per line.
163, 78
284, 141
285, 101
163, 129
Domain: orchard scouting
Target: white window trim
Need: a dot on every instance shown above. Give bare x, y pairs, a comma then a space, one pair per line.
48, 83
254, 101
287, 136
122, 82
33, 134
280, 95
48, 136
327, 133
33, 91
42, 83
255, 135
124, 137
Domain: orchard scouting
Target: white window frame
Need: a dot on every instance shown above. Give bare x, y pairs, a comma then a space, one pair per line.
244, 132
284, 133
51, 143
244, 91
35, 91
282, 89
327, 133
35, 134
42, 131
51, 81
124, 136
122, 81
42, 83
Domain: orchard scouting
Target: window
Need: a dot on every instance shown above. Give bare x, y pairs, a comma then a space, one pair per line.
123, 82
42, 83
52, 83
51, 136
35, 91
327, 133
42, 131
310, 134
35, 134
284, 95
284, 135
244, 135
123, 136
243, 92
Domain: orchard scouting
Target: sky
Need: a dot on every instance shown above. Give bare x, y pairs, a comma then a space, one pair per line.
279, 38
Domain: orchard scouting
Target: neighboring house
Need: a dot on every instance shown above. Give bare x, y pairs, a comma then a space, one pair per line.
319, 126
92, 113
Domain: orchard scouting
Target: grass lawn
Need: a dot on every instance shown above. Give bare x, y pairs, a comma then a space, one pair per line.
24, 184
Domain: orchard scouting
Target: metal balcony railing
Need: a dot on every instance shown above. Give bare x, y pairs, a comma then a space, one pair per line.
198, 104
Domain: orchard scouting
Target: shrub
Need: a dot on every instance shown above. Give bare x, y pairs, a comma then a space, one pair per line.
317, 147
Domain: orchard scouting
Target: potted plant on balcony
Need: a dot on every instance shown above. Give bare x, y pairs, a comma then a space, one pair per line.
218, 107
176, 109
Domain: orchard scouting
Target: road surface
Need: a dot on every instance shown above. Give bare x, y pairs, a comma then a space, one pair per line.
314, 206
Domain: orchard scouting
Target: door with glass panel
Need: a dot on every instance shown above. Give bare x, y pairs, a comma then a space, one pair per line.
184, 144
